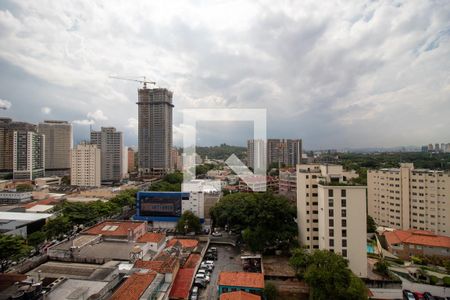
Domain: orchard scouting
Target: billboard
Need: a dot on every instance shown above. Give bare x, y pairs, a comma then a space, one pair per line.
160, 204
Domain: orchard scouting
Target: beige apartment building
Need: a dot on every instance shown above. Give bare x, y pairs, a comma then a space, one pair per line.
86, 165
331, 213
407, 198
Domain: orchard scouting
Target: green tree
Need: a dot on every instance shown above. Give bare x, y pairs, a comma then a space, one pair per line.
446, 281
271, 292
356, 290
447, 265
299, 261
12, 247
24, 187
36, 238
57, 227
188, 222
371, 226
382, 267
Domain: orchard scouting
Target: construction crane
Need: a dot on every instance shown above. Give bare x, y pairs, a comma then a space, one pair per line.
144, 82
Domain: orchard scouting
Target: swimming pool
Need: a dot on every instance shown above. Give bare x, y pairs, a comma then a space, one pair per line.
370, 249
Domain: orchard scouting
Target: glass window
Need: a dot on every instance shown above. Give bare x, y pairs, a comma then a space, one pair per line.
331, 222
330, 193
331, 243
331, 232
343, 193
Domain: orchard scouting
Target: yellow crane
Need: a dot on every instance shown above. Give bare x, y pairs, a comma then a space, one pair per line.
144, 82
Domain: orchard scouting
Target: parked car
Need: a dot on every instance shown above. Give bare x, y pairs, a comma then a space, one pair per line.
200, 282
209, 262
419, 296
213, 249
428, 296
207, 267
216, 233
408, 295
194, 293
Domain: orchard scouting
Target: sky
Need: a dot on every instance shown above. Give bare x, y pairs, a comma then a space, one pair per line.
337, 74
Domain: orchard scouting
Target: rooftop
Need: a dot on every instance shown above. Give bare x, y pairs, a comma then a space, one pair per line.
182, 284
162, 263
243, 279
185, 243
22, 216
192, 261
134, 286
74, 288
417, 237
151, 237
239, 295
113, 228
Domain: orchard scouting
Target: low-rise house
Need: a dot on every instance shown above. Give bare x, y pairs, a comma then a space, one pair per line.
239, 295
12, 197
407, 243
136, 286
152, 241
241, 281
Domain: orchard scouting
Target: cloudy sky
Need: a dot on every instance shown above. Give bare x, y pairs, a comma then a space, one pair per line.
335, 73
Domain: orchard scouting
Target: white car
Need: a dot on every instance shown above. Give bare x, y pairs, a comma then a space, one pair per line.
210, 263
215, 233
200, 276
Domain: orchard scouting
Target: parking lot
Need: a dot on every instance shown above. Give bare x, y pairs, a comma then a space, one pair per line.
228, 259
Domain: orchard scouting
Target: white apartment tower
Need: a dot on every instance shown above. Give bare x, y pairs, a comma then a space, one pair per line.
86, 166
110, 143
28, 155
58, 143
331, 213
404, 198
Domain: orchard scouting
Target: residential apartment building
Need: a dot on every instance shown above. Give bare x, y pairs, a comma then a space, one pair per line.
86, 165
58, 143
131, 164
154, 130
288, 183
110, 143
175, 160
28, 155
283, 152
7, 128
331, 213
408, 198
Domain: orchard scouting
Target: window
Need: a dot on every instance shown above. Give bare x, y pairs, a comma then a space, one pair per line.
331, 222
330, 193
331, 243
344, 213
344, 243
343, 193
330, 202
344, 223
331, 232
331, 212
344, 252
344, 232
343, 203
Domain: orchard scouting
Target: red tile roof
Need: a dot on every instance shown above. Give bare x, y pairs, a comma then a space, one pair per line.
239, 295
417, 237
48, 201
182, 284
113, 228
244, 279
134, 286
185, 243
160, 264
151, 237
192, 261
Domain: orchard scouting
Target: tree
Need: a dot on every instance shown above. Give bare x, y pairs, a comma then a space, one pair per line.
356, 290
447, 265
371, 226
57, 227
382, 267
12, 247
271, 292
188, 223
299, 261
24, 187
36, 238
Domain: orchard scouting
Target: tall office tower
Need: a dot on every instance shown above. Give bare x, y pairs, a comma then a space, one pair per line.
86, 165
284, 151
331, 214
28, 155
154, 130
404, 198
175, 160
58, 143
7, 128
110, 143
131, 165
430, 147
257, 154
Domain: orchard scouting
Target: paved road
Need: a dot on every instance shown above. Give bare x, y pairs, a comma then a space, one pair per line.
228, 260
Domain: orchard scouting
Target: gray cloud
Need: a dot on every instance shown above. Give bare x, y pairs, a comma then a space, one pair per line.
358, 73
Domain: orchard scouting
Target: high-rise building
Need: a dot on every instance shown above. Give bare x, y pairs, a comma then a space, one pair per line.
7, 128
110, 143
430, 147
175, 160
131, 165
86, 165
58, 143
257, 154
407, 198
331, 213
28, 155
154, 130
282, 152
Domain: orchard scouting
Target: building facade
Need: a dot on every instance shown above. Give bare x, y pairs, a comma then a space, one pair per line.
131, 164
331, 213
28, 155
154, 130
58, 144
279, 152
7, 128
287, 183
110, 143
86, 166
407, 198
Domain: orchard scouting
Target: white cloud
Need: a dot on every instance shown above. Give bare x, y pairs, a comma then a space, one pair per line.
5, 104
84, 122
46, 110
97, 115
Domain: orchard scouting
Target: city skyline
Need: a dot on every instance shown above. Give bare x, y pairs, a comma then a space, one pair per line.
338, 76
